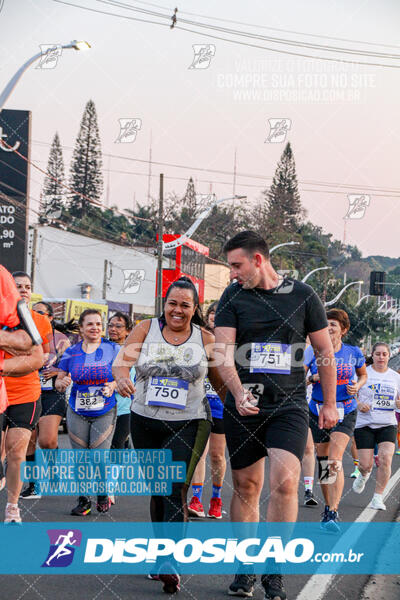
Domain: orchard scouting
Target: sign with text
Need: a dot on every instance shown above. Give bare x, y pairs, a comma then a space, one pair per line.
14, 187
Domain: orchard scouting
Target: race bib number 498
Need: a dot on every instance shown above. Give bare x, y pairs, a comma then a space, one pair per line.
271, 357
170, 392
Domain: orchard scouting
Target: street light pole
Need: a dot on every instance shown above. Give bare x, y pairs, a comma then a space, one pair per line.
280, 246
313, 271
342, 291
6, 93
180, 240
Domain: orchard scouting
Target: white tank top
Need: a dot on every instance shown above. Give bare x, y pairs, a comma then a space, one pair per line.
170, 379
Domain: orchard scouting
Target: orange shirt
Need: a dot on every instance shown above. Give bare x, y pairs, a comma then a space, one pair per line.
21, 390
9, 298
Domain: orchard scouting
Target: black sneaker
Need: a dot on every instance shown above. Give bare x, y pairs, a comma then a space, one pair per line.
325, 517
83, 508
309, 499
103, 504
29, 493
242, 585
273, 587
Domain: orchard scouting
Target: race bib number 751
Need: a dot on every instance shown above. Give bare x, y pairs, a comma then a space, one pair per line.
270, 357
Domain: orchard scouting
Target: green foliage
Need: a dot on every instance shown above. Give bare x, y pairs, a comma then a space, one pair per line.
52, 202
86, 175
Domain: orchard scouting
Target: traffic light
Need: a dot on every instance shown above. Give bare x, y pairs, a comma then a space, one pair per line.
377, 281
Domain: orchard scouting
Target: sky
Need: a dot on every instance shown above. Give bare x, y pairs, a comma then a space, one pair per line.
341, 119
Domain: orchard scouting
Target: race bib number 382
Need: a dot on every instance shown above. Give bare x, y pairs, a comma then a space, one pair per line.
270, 357
170, 392
92, 399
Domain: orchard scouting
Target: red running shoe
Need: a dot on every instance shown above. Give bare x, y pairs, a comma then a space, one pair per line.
196, 508
171, 581
215, 510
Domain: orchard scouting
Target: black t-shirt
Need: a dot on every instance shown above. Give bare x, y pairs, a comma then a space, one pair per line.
271, 328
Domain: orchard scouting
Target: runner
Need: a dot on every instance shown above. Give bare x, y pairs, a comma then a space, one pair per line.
23, 412
91, 413
119, 327
172, 351
268, 317
376, 423
331, 442
308, 462
12, 341
53, 403
215, 446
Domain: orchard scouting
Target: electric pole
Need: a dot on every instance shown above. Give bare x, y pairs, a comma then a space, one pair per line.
160, 247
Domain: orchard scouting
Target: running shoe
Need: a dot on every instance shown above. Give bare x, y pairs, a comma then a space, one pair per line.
103, 504
195, 508
310, 499
332, 524
170, 580
242, 585
112, 498
377, 503
29, 493
397, 451
355, 473
324, 517
12, 514
83, 507
359, 483
215, 510
273, 587
153, 576
2, 483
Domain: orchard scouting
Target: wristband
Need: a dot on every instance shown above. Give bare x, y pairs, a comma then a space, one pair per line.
1, 364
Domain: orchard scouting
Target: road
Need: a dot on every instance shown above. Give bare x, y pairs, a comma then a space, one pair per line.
196, 587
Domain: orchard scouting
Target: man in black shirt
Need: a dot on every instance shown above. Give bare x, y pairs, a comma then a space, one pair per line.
262, 322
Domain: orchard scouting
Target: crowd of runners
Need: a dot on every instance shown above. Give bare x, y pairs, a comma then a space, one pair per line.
266, 373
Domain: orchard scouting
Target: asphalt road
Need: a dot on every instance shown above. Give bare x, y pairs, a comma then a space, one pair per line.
196, 587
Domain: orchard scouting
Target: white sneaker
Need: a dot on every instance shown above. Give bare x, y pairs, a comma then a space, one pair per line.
12, 514
377, 503
359, 483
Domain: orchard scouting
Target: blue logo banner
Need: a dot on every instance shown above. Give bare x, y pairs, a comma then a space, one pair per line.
209, 548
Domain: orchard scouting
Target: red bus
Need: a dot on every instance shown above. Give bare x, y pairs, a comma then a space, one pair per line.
188, 259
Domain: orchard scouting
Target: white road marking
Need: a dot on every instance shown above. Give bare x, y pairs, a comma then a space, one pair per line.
317, 585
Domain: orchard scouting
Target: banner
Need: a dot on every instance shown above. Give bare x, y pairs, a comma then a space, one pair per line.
14, 187
198, 548
74, 308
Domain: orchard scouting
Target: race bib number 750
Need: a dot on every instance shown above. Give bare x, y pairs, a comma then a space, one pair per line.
270, 357
170, 392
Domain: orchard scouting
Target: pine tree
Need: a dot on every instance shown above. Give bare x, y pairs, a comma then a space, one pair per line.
283, 199
86, 176
51, 202
189, 198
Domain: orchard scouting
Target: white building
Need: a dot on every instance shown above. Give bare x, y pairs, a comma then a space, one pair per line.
64, 261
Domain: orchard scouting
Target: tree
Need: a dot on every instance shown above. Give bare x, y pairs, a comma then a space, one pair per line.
52, 203
284, 211
189, 198
86, 176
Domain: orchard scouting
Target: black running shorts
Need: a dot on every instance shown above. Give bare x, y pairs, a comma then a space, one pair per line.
217, 426
23, 415
366, 437
248, 438
53, 403
322, 436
